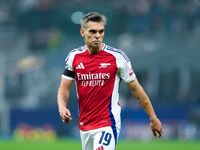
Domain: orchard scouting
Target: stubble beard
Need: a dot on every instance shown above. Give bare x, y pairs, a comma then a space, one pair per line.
95, 48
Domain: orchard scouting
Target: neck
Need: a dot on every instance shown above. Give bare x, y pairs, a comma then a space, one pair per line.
92, 49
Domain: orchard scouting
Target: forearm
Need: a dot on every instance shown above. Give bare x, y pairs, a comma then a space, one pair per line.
145, 102
139, 93
62, 99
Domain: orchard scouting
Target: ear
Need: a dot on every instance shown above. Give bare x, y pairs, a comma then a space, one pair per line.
82, 32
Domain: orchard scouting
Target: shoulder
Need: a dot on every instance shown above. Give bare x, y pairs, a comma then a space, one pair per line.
75, 51
117, 52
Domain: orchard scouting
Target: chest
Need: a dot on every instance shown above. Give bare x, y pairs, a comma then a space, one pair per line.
95, 65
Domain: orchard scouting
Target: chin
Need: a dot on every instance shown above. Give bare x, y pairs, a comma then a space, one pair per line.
97, 44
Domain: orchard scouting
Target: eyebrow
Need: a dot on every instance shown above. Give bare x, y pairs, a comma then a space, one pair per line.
93, 30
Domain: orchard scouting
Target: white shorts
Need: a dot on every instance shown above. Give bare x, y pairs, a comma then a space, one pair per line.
100, 139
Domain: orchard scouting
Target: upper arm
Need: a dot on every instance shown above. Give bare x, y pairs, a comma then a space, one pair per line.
134, 85
63, 92
65, 85
137, 90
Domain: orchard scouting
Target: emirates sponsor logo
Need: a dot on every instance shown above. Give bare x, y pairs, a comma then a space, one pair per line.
93, 79
93, 76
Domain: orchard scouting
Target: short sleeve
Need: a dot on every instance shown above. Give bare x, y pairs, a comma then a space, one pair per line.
69, 72
126, 72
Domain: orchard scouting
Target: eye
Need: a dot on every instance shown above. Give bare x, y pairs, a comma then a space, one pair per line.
93, 31
101, 31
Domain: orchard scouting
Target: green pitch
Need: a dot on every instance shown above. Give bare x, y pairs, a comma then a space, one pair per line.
65, 144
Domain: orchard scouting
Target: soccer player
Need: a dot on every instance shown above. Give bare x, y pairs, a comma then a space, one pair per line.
97, 69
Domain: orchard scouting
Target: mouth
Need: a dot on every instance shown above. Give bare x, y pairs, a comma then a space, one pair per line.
96, 42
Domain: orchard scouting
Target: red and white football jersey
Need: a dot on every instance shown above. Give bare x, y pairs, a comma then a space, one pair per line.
97, 82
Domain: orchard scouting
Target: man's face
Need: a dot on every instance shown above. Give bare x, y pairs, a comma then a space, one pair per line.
93, 34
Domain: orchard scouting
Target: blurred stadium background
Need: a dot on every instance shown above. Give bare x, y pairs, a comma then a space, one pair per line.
161, 37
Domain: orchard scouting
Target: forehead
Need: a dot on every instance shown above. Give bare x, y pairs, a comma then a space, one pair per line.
95, 25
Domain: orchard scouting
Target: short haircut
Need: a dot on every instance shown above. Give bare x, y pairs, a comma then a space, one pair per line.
92, 16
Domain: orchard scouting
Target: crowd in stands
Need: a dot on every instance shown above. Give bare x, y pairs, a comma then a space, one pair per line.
128, 15
48, 22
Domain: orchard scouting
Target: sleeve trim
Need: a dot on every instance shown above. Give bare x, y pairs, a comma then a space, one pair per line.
66, 77
133, 78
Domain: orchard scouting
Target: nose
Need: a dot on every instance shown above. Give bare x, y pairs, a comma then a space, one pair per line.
97, 35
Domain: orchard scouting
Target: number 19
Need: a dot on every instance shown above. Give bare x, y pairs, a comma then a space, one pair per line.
106, 137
